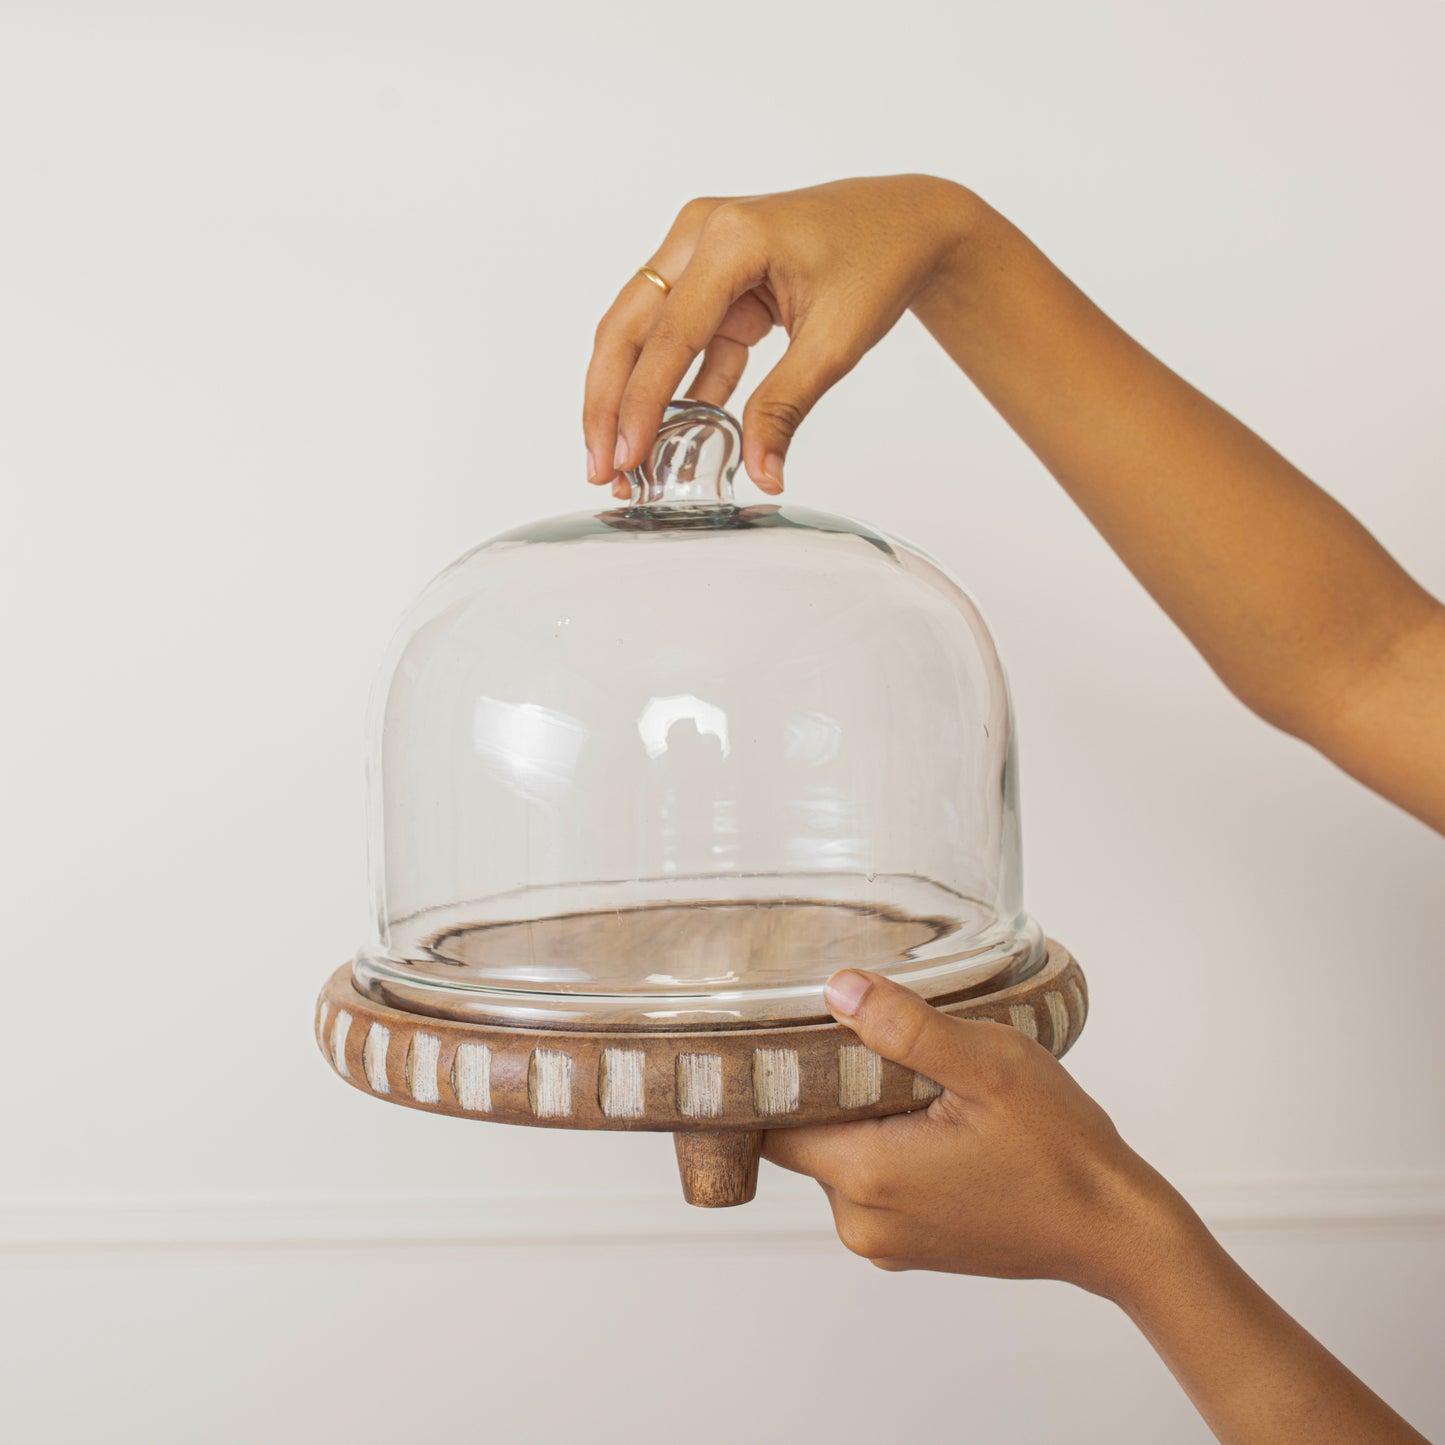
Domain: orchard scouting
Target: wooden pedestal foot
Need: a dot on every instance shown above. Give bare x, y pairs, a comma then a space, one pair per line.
719, 1168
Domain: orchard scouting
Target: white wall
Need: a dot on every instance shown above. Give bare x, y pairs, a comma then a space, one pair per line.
294, 306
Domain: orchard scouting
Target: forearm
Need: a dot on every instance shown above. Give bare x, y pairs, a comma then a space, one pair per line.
1253, 1373
1286, 595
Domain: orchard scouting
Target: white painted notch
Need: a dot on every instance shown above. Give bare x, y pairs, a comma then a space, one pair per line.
472, 1078
925, 1089
620, 1088
1023, 1018
1059, 1018
340, 1027
549, 1083
776, 1086
373, 1058
421, 1068
699, 1085
860, 1076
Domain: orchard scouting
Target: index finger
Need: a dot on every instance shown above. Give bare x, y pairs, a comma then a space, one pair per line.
619, 339
690, 316
624, 328
829, 1153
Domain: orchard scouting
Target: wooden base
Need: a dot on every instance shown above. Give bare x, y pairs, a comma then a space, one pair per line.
724, 1085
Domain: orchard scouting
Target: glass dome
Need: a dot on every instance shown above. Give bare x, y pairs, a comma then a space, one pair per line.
672, 764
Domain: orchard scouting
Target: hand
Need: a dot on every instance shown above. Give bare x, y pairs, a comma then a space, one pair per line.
1013, 1171
834, 265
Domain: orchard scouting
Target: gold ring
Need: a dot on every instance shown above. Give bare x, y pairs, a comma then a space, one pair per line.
661, 282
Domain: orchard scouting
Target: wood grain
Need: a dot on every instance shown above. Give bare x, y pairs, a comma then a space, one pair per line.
719, 1169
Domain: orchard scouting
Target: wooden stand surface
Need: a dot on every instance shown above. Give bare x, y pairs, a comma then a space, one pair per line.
715, 1090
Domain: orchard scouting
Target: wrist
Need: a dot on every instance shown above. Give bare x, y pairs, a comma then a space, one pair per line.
958, 215
975, 250
1155, 1235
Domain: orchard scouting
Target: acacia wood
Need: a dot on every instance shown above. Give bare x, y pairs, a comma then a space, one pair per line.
719, 1168
724, 1083
709, 1079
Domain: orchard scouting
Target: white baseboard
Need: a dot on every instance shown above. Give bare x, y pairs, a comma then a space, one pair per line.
782, 1213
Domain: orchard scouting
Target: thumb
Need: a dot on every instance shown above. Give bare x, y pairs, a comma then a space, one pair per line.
779, 403
898, 1025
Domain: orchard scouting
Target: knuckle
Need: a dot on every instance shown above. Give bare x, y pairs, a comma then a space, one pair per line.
897, 1033
949, 1109
860, 1236
732, 218
596, 415
1006, 1045
608, 330
637, 421
998, 1068
697, 210
778, 414
1015, 1047
667, 335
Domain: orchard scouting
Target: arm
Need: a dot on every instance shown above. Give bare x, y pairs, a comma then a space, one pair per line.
1252, 1372
1292, 602
1015, 1172
1301, 612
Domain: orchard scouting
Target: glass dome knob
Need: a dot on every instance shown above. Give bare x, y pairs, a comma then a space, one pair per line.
692, 462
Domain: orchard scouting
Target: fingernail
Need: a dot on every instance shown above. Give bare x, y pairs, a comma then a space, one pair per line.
619, 457
591, 466
844, 991
621, 490
773, 469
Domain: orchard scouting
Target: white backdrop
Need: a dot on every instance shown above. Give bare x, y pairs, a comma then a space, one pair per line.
295, 301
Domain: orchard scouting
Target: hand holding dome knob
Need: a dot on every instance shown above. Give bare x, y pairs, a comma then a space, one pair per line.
835, 266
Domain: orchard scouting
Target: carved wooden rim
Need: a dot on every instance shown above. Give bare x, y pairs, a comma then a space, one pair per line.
709, 1080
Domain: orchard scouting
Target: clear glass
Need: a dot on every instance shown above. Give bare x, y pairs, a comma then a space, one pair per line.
672, 764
